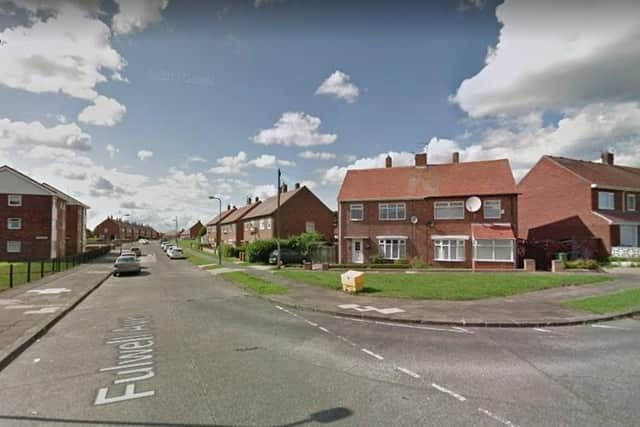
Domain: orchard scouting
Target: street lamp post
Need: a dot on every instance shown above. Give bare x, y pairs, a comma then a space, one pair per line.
218, 248
278, 220
176, 220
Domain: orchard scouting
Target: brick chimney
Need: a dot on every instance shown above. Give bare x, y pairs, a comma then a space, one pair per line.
297, 185
607, 158
455, 158
388, 162
248, 200
421, 160
228, 207
257, 199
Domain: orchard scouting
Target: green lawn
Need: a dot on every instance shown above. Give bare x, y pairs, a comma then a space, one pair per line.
610, 303
20, 272
447, 286
256, 284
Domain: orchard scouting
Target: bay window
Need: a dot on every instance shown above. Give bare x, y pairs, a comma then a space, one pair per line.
449, 250
494, 250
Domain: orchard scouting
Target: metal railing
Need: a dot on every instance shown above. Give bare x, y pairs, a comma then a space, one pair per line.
15, 273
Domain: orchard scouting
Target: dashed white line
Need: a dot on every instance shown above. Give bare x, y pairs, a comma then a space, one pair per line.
408, 372
323, 329
453, 394
371, 353
279, 308
314, 324
458, 328
541, 330
497, 418
609, 327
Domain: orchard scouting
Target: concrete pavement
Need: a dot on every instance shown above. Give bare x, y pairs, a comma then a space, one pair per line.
208, 353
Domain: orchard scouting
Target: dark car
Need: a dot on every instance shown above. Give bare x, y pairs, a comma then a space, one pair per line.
288, 256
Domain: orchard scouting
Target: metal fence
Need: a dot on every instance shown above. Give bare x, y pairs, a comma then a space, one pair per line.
16, 273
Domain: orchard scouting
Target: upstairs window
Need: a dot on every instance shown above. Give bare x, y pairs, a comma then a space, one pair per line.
268, 223
392, 211
310, 226
356, 212
492, 209
631, 202
15, 200
449, 210
606, 200
14, 223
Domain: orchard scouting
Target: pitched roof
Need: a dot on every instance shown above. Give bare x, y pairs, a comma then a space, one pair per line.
67, 198
10, 184
269, 206
220, 216
239, 213
439, 180
601, 174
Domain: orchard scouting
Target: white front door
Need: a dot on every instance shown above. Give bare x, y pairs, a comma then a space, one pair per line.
357, 255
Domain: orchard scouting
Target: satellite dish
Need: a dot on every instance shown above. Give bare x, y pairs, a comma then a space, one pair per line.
473, 204
414, 219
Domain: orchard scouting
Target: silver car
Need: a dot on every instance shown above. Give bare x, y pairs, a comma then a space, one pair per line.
126, 264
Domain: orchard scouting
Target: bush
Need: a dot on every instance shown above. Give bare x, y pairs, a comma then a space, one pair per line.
304, 242
228, 251
418, 263
377, 259
259, 250
582, 264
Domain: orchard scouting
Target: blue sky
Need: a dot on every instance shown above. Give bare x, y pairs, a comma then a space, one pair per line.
193, 94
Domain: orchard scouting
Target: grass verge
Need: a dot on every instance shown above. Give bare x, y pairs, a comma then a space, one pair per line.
617, 302
448, 286
256, 284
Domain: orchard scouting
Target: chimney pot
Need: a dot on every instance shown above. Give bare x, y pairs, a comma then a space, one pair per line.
297, 185
285, 188
388, 162
228, 207
421, 160
607, 158
248, 200
257, 199
455, 158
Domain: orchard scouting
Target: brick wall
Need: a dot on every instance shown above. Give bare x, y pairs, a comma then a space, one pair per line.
36, 222
305, 206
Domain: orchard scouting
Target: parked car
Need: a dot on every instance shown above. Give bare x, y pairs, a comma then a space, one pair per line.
127, 252
136, 250
126, 264
143, 241
287, 256
168, 249
176, 253
163, 246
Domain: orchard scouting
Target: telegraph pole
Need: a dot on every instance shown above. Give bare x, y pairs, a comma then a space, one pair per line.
278, 219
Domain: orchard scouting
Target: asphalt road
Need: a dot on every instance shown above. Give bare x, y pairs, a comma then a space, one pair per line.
177, 346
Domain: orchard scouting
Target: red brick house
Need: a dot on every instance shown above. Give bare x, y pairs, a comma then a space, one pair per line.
37, 220
196, 229
568, 200
116, 229
231, 227
446, 215
213, 226
301, 211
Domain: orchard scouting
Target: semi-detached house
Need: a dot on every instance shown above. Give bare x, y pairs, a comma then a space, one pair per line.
446, 215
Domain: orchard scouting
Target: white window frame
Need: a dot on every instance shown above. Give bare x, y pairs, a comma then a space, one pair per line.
356, 206
262, 226
477, 244
392, 207
309, 223
268, 223
448, 205
631, 196
14, 200
14, 246
488, 203
397, 248
459, 244
14, 220
610, 196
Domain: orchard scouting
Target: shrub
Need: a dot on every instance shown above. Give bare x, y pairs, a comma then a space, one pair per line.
418, 263
304, 242
259, 250
228, 251
377, 259
582, 264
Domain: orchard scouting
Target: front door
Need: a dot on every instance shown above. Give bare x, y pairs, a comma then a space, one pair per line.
357, 255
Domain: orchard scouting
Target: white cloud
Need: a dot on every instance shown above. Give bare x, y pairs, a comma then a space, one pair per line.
295, 128
569, 56
335, 174
465, 5
339, 85
104, 112
66, 51
144, 154
137, 15
61, 118
112, 150
309, 184
21, 134
318, 155
235, 165
264, 191
196, 159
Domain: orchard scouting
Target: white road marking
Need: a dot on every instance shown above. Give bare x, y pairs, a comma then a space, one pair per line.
541, 330
36, 360
347, 340
408, 372
453, 394
21, 307
371, 353
46, 310
497, 418
314, 324
323, 329
279, 308
609, 327
466, 331
9, 301
455, 329
49, 291
358, 307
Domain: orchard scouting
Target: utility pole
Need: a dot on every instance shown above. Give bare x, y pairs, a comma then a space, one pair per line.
176, 219
218, 230
278, 219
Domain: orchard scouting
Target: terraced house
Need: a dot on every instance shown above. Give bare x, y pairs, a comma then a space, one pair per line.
590, 206
446, 215
37, 220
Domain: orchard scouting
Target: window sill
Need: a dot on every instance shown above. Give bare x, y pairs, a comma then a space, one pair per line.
448, 219
493, 260
449, 260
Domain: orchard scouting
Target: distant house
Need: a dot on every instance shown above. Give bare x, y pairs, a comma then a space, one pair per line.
577, 201
37, 220
231, 227
196, 229
446, 215
213, 226
301, 211
117, 229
